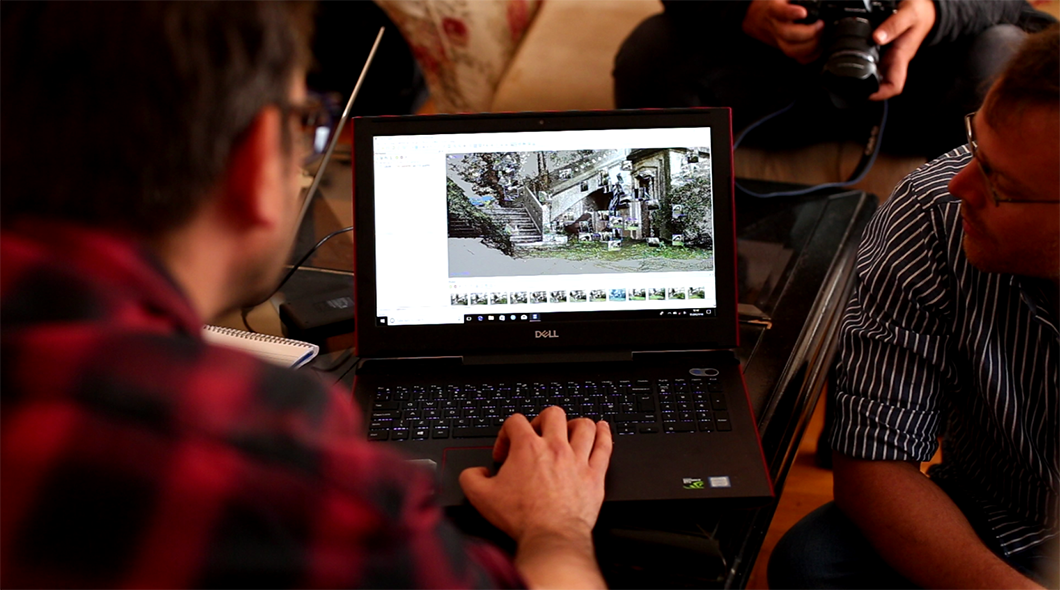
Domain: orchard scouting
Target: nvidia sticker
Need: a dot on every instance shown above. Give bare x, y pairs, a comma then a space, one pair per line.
695, 483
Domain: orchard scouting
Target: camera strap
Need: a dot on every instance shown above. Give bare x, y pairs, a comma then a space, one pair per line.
868, 156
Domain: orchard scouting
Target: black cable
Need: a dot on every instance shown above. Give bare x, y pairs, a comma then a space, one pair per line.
296, 266
243, 314
345, 356
868, 158
353, 366
743, 134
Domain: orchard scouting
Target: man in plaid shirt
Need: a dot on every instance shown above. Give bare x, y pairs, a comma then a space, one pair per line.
149, 160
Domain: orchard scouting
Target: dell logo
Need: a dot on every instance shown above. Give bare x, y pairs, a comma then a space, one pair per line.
545, 334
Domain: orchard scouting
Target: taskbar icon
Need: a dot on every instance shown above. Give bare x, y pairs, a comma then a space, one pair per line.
503, 317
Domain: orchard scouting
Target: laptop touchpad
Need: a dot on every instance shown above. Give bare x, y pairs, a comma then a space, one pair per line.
454, 461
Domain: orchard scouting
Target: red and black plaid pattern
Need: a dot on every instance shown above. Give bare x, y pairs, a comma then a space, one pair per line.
133, 454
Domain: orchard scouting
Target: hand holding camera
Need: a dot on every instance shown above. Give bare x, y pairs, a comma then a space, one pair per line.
903, 33
776, 23
867, 44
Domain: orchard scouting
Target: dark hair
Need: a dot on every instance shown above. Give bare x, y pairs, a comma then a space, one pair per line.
1031, 78
124, 114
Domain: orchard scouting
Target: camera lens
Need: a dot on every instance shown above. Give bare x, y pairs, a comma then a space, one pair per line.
850, 74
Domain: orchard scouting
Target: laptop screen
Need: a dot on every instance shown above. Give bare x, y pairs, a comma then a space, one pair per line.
547, 227
592, 221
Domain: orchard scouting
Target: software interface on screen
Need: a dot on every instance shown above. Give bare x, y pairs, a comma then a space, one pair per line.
502, 227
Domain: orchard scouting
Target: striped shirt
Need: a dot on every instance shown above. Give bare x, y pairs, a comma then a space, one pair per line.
932, 346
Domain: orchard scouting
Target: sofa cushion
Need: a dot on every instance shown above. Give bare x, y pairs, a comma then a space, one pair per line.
566, 58
462, 46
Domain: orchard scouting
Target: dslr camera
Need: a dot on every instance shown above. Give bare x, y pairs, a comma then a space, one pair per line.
851, 67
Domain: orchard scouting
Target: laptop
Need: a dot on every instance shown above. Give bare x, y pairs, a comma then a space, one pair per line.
508, 262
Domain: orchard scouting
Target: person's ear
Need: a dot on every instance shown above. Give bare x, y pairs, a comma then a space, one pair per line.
253, 183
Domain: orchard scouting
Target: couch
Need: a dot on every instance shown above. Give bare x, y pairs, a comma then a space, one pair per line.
528, 55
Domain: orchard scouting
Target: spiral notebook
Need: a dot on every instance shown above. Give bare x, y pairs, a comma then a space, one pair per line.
274, 349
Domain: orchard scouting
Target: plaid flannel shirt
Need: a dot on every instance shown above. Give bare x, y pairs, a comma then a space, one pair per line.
133, 454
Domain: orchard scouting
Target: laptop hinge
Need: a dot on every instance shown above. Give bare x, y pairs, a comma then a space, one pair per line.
690, 351
548, 357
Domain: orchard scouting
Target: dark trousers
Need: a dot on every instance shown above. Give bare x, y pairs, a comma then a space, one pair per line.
658, 65
826, 550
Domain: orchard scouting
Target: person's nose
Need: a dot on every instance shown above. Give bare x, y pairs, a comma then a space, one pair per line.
969, 186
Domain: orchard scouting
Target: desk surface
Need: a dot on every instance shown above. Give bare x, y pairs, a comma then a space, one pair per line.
795, 266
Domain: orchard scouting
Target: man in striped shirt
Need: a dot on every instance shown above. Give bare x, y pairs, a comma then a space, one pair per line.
951, 333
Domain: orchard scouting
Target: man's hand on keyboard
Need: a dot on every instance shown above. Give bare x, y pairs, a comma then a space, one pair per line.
547, 495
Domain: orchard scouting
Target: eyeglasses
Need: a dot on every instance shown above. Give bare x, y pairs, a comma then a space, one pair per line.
314, 121
987, 171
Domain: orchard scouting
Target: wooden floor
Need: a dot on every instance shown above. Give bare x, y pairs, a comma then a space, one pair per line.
806, 488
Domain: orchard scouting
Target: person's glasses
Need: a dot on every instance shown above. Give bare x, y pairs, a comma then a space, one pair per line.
987, 171
313, 126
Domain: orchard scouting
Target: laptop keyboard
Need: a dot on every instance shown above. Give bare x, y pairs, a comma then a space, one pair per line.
477, 410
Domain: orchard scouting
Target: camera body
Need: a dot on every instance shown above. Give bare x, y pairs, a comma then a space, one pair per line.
851, 69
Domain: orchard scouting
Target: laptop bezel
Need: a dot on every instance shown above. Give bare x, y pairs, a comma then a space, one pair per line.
608, 334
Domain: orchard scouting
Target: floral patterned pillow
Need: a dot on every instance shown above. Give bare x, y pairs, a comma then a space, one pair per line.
462, 46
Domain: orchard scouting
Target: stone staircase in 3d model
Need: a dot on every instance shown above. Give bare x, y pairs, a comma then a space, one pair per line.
515, 218
518, 220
